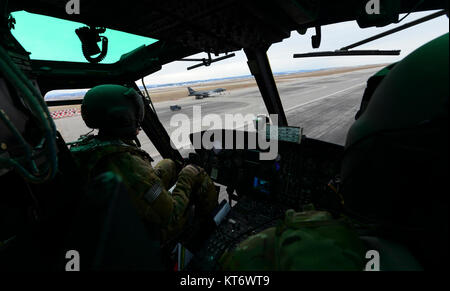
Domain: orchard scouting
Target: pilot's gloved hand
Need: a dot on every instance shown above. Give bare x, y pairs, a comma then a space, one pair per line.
166, 170
203, 193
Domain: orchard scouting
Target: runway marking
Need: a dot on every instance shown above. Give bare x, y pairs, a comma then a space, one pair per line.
317, 99
295, 107
323, 97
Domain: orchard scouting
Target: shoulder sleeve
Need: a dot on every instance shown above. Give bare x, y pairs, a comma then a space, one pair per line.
153, 202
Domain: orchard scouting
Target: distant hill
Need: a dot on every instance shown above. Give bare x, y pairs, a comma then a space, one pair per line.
79, 94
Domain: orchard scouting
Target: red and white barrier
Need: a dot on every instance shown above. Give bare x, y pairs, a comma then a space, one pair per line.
65, 113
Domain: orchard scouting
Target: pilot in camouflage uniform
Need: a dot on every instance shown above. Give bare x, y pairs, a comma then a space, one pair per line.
404, 129
117, 112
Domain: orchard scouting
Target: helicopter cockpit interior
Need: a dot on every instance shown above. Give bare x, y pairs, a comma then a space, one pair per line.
45, 211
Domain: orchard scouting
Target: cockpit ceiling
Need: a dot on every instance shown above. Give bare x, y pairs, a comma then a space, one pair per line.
212, 25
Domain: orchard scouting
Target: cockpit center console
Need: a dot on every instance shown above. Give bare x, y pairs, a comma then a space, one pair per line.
262, 190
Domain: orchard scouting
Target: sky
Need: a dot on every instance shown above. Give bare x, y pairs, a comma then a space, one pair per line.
51, 38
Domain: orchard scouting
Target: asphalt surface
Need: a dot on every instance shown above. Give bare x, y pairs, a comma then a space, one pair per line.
323, 106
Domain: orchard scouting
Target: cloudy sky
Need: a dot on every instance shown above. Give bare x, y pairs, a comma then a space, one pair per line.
333, 37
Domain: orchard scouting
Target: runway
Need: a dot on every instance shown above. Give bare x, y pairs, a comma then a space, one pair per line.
323, 106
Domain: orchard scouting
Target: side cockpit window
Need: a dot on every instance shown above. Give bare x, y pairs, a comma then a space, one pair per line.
66, 114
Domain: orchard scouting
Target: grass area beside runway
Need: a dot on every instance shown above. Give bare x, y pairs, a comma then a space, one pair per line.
177, 93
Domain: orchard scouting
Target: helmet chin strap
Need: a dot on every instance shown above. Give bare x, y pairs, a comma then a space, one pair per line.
138, 143
136, 140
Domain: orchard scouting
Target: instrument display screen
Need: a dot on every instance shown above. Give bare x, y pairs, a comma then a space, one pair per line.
261, 185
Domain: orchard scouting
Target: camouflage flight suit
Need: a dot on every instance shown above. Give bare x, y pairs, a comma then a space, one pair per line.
149, 186
309, 240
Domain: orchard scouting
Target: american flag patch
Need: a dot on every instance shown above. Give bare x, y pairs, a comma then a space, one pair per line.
153, 192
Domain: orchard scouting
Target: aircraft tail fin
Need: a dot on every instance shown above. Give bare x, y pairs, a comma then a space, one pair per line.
191, 91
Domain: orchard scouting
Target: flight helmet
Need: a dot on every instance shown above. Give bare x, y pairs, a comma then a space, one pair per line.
395, 166
115, 110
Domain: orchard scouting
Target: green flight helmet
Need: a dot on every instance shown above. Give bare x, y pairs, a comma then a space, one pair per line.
117, 111
395, 171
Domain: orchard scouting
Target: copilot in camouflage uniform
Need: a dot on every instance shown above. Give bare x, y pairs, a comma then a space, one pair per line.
310, 241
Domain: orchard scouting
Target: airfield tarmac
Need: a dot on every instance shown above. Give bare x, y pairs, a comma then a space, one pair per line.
324, 105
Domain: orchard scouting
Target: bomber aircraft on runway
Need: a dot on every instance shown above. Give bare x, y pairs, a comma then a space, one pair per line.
203, 94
